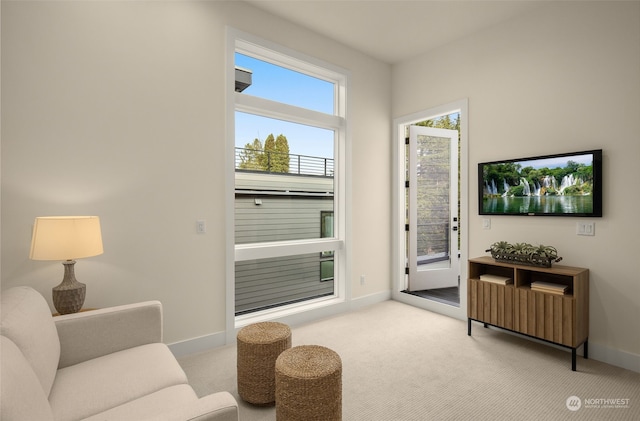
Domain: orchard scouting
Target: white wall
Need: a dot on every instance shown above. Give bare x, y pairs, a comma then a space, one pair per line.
116, 109
563, 78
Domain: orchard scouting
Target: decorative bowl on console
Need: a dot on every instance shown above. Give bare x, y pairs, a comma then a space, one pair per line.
524, 254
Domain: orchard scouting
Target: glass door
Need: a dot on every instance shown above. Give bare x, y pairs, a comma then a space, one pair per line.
433, 208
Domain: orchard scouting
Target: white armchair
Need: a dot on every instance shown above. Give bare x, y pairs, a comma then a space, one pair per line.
107, 364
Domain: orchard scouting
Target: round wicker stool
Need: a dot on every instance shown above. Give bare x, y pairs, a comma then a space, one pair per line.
259, 345
309, 384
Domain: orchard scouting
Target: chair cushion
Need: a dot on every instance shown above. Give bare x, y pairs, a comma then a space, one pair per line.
150, 406
26, 320
94, 386
21, 395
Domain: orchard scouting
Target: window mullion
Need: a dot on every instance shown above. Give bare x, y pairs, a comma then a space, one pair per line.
285, 248
273, 109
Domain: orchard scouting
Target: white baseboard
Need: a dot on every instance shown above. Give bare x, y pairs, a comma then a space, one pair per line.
196, 345
320, 313
214, 340
598, 352
615, 357
370, 299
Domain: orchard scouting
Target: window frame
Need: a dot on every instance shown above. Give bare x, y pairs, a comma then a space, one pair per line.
244, 43
323, 228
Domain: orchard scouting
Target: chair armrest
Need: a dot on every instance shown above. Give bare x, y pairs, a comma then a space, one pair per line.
220, 406
91, 334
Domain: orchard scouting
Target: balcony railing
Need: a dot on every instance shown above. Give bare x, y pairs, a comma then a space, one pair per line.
433, 241
281, 163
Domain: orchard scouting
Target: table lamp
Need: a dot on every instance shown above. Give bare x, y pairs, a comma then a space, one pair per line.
66, 238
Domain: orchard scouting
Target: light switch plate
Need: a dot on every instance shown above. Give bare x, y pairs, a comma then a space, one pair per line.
586, 228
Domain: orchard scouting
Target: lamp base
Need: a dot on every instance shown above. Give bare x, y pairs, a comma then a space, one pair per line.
68, 297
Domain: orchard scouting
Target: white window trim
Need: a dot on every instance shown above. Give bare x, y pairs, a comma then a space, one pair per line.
273, 109
276, 54
285, 248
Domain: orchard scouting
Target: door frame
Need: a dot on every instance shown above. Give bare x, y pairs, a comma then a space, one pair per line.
398, 209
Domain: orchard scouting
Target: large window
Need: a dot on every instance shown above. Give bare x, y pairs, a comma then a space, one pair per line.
289, 182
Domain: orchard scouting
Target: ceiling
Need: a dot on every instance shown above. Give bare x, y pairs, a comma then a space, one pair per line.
395, 30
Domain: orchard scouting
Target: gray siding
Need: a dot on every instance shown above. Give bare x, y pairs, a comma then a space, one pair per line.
277, 207
270, 282
278, 218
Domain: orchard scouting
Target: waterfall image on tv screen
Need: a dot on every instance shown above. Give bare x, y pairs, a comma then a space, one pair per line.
561, 185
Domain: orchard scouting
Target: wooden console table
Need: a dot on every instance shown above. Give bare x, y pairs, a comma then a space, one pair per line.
561, 319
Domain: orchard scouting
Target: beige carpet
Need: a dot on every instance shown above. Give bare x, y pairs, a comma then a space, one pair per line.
404, 363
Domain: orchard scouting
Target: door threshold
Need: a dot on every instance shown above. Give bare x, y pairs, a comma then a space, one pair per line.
449, 296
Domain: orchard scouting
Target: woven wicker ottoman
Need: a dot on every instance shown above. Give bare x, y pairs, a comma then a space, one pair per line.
259, 345
309, 384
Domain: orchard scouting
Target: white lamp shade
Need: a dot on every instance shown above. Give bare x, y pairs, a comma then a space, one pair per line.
66, 237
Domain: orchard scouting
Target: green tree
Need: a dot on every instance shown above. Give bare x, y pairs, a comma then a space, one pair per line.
272, 156
444, 122
251, 156
281, 158
572, 167
269, 149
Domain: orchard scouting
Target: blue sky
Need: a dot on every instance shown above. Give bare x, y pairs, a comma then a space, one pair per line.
283, 85
560, 162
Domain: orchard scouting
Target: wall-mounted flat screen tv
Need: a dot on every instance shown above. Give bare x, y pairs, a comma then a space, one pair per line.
567, 184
